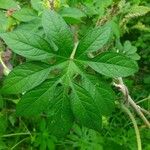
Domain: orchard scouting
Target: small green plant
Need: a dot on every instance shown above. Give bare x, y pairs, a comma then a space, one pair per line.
61, 78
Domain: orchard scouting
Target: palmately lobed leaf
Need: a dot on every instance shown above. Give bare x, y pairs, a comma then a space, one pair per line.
73, 96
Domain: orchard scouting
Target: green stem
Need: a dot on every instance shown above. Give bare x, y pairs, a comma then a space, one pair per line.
74, 51
28, 131
138, 138
14, 134
145, 99
18, 143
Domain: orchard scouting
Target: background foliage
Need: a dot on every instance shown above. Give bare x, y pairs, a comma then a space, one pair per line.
131, 37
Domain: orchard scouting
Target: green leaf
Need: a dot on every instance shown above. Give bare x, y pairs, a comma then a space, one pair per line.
25, 14
37, 5
1, 102
25, 77
57, 31
3, 22
3, 124
60, 114
85, 109
2, 145
35, 25
72, 15
101, 92
8, 4
130, 51
37, 100
128, 48
94, 40
28, 45
53, 101
113, 65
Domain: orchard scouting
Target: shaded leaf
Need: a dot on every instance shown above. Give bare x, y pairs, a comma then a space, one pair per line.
85, 109
60, 114
1, 102
37, 100
101, 92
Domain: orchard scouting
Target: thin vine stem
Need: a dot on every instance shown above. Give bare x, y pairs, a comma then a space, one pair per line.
137, 132
19, 143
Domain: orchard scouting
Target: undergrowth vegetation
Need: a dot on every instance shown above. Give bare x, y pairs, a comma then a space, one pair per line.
74, 75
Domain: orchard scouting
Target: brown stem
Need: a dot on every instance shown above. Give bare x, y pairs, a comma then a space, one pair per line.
123, 88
